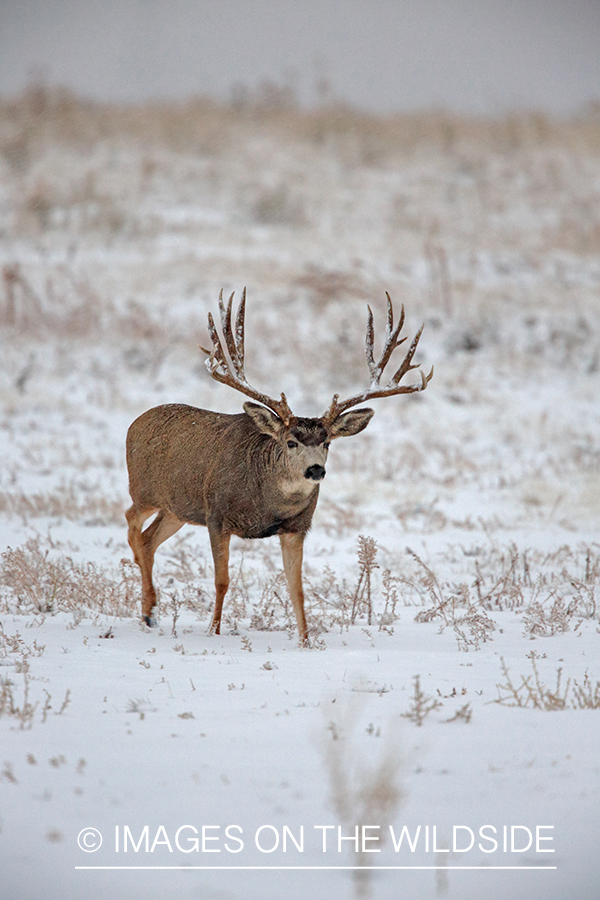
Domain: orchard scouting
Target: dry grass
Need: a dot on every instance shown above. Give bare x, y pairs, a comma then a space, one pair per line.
552, 591
471, 624
43, 114
22, 708
533, 692
65, 306
64, 503
36, 581
547, 600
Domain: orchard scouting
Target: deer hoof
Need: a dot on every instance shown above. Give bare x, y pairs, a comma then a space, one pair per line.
150, 622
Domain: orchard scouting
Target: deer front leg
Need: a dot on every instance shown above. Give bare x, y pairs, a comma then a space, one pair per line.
291, 551
219, 543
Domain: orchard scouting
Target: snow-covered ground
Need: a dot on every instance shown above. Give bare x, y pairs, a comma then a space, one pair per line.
467, 711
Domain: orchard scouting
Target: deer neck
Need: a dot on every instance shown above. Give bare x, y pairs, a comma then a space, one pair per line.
296, 489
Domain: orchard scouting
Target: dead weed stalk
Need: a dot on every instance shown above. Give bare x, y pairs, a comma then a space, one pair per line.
421, 705
362, 789
532, 692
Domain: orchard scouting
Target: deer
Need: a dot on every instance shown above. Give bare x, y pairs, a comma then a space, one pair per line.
253, 474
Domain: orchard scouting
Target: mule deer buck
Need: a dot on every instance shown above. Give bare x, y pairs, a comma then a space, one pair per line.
254, 474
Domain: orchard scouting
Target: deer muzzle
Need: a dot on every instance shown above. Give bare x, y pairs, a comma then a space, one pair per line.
315, 473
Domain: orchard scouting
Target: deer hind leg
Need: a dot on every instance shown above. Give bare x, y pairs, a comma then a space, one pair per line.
219, 543
291, 551
144, 545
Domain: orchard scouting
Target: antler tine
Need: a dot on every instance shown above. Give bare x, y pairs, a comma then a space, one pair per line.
225, 316
391, 341
406, 366
239, 329
376, 369
391, 336
220, 367
217, 354
369, 344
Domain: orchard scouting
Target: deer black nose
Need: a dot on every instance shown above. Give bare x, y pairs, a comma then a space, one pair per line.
316, 473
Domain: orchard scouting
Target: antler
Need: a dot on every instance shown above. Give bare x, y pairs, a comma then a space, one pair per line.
231, 371
376, 368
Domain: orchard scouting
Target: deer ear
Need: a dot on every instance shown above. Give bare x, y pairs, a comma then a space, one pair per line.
350, 423
265, 420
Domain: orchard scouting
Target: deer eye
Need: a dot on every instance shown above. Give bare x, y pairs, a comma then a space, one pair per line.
292, 444
327, 445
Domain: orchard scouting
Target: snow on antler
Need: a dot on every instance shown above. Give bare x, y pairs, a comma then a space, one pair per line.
376, 369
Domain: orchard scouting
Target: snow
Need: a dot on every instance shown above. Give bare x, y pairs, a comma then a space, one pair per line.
481, 495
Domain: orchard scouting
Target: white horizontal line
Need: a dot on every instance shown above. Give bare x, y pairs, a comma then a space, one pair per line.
319, 868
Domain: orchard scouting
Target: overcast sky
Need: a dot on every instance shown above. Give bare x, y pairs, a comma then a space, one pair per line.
384, 55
